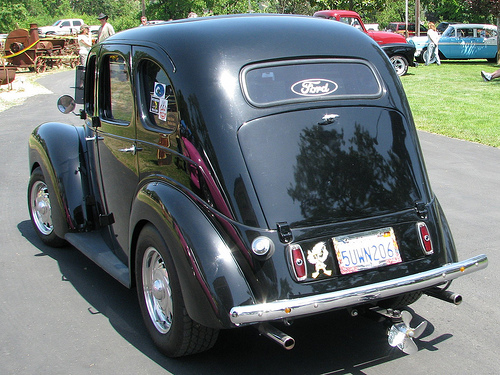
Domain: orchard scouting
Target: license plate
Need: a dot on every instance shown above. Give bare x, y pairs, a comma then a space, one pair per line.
367, 250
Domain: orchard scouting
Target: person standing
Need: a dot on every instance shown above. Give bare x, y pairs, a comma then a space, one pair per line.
144, 21
106, 29
432, 48
85, 43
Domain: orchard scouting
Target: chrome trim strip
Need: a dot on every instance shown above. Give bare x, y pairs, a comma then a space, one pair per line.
301, 306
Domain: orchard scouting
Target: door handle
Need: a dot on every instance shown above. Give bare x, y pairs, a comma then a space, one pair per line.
132, 149
94, 138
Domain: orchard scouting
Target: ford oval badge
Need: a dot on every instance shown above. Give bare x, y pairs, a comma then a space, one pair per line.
314, 87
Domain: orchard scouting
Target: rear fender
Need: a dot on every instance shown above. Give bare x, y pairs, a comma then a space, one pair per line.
211, 280
57, 148
449, 254
406, 50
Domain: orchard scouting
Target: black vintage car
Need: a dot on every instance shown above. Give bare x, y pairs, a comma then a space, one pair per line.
246, 170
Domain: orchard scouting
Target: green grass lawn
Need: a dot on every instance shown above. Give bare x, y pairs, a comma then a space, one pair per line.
453, 100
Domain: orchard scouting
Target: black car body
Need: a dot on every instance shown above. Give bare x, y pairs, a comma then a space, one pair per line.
241, 170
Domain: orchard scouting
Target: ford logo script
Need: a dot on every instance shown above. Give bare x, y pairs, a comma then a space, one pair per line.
314, 87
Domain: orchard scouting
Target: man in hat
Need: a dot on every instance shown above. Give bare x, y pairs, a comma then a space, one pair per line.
106, 29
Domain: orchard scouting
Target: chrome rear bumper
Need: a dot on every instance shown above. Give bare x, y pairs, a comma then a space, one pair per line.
291, 308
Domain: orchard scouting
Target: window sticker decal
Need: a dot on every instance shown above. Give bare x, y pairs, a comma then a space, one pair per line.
155, 105
160, 90
162, 115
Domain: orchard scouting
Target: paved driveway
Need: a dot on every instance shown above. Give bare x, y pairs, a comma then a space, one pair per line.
60, 314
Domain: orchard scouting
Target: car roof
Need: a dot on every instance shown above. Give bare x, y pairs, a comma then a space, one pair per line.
473, 25
345, 13
206, 56
249, 38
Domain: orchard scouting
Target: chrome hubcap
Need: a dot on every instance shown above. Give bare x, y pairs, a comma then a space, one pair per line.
157, 291
40, 208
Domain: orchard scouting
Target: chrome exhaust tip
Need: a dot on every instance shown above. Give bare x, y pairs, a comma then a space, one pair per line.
286, 341
444, 295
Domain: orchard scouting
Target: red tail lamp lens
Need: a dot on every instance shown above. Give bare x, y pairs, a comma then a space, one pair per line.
425, 238
298, 262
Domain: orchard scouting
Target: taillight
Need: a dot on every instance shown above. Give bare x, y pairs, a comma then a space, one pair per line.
425, 238
298, 261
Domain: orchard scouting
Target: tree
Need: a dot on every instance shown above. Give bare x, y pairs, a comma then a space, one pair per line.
10, 15
446, 10
484, 7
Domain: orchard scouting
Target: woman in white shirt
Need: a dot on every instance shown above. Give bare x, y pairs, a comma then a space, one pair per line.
432, 48
85, 43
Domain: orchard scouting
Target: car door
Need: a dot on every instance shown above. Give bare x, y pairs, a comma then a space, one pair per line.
486, 43
115, 142
165, 142
462, 45
450, 43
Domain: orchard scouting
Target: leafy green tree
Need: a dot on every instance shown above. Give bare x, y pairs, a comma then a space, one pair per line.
446, 10
10, 15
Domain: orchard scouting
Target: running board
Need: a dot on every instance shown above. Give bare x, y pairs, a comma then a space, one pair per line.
95, 248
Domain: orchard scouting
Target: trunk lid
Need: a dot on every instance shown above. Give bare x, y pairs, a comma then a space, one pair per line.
328, 165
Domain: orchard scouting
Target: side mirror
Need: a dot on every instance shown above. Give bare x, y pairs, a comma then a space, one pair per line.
66, 104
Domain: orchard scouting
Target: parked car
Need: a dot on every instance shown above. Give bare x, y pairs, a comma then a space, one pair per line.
352, 18
400, 55
469, 41
462, 42
400, 28
268, 179
61, 27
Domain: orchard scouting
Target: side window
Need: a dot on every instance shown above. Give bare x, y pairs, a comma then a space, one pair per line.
465, 33
65, 23
450, 32
157, 97
115, 90
90, 86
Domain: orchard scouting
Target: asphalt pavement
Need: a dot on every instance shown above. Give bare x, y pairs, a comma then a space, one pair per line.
61, 314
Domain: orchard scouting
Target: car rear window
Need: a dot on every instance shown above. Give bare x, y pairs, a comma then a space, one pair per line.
279, 83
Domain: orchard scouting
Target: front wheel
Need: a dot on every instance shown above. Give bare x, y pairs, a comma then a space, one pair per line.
400, 64
40, 210
160, 298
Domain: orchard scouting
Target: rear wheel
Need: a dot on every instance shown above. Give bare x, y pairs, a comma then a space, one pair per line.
400, 64
161, 302
41, 209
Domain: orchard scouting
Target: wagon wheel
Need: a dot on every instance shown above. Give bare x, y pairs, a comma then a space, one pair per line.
56, 62
40, 65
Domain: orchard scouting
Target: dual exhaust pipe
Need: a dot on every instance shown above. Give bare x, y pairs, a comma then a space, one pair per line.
288, 342
444, 295
273, 333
